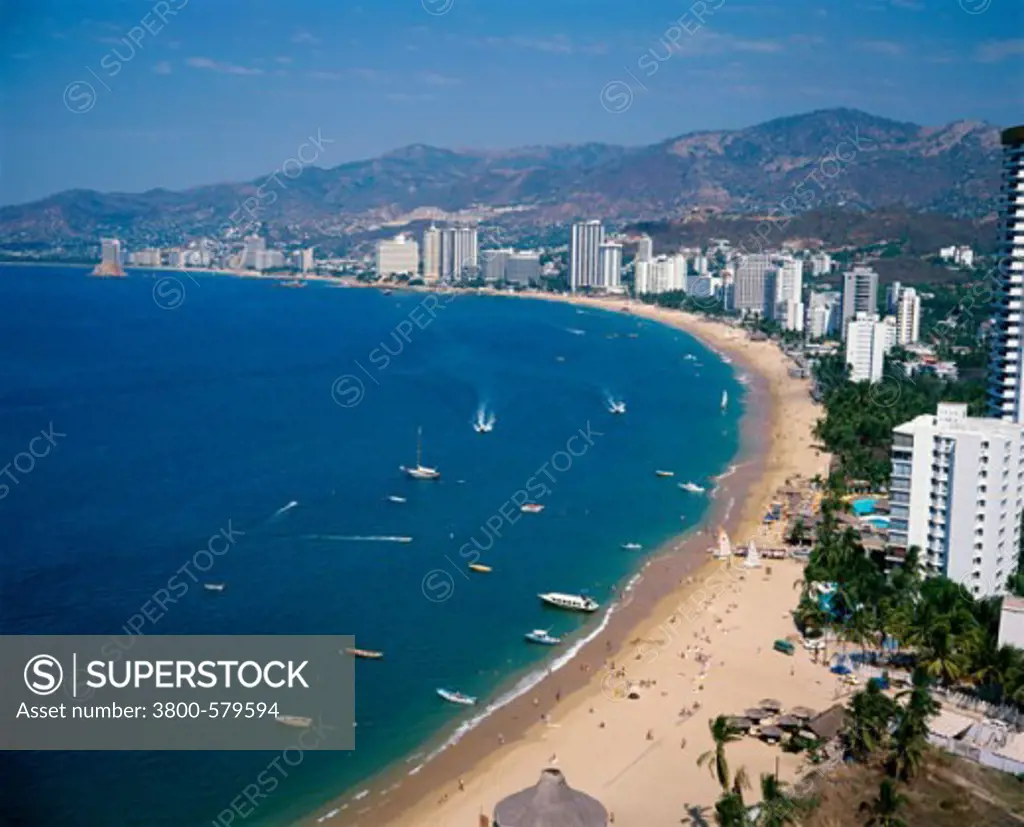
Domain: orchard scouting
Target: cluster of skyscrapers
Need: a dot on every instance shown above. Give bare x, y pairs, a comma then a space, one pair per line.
957, 482
453, 254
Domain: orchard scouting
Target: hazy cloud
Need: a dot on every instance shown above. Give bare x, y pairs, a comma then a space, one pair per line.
223, 68
889, 48
162, 68
993, 51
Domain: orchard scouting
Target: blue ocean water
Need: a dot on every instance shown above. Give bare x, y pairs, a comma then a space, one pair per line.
181, 423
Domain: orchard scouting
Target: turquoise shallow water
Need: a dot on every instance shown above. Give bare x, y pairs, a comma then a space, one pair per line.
221, 410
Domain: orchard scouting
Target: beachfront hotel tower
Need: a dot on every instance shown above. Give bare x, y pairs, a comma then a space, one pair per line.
957, 492
585, 255
860, 295
1005, 362
110, 258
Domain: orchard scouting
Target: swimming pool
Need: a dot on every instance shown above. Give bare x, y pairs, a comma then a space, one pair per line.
863, 506
878, 522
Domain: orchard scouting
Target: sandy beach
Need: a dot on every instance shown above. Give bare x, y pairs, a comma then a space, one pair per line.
692, 638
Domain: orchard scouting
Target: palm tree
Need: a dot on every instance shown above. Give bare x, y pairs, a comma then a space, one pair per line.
721, 733
870, 713
911, 735
778, 807
731, 811
882, 811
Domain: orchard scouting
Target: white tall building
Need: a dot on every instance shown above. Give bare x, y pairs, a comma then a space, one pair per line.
641, 277
610, 263
823, 314
306, 260
892, 296
957, 493
789, 289
1006, 358
754, 288
493, 264
860, 294
821, 264
908, 317
459, 253
868, 339
400, 255
644, 248
252, 246
431, 254
585, 255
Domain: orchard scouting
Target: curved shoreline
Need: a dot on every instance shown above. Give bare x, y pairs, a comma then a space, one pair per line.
658, 589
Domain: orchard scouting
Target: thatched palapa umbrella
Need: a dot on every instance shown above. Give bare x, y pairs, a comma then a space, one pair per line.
550, 803
802, 712
770, 704
756, 714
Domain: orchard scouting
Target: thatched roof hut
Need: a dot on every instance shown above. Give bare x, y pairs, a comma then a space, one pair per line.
829, 723
550, 803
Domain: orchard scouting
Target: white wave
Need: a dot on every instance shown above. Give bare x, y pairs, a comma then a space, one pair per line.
485, 420
576, 331
525, 684
360, 796
340, 538
284, 508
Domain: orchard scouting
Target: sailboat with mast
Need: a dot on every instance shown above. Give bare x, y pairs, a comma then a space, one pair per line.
421, 471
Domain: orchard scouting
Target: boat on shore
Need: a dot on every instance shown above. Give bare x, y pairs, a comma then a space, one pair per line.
631, 546
531, 508
692, 487
664, 473
421, 471
572, 602
214, 587
480, 567
295, 721
368, 654
454, 697
542, 637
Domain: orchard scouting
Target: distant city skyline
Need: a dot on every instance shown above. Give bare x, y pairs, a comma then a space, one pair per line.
133, 96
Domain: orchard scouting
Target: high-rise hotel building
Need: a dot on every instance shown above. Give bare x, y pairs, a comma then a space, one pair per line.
1005, 362
585, 255
957, 492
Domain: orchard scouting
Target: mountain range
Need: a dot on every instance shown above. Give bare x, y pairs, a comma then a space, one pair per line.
829, 158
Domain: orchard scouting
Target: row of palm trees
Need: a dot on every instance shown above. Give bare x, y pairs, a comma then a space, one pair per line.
949, 633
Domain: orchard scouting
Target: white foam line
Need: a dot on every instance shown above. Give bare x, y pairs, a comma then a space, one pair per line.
524, 685
338, 538
284, 508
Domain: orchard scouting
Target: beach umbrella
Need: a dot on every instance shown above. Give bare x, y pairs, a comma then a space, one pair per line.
770, 704
551, 802
772, 733
789, 722
739, 722
756, 714
802, 712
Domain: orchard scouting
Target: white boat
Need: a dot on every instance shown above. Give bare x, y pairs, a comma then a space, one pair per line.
725, 399
421, 471
213, 587
395, 498
753, 560
454, 697
664, 473
541, 636
295, 721
531, 508
616, 407
573, 602
692, 487
632, 546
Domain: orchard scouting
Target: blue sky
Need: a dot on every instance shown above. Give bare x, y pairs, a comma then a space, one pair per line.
132, 94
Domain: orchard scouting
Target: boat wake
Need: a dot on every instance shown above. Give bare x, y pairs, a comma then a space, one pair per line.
485, 420
615, 406
526, 683
340, 538
284, 508
576, 331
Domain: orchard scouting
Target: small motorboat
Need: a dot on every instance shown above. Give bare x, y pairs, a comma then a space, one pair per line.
531, 508
369, 654
214, 587
572, 602
542, 637
692, 487
295, 721
664, 473
616, 407
632, 546
395, 498
456, 697
480, 567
